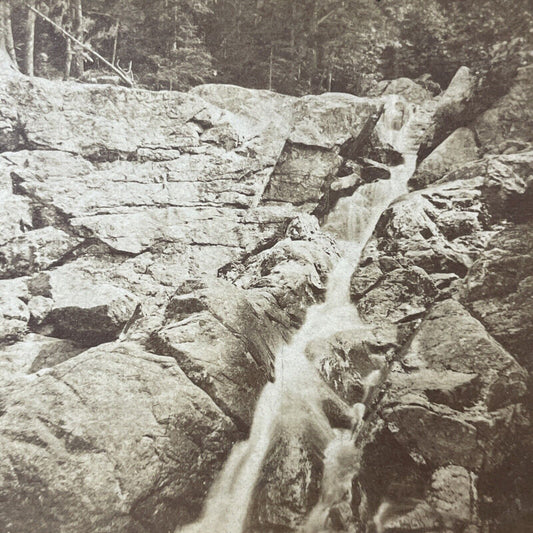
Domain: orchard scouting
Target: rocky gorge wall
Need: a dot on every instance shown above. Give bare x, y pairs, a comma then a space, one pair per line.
158, 248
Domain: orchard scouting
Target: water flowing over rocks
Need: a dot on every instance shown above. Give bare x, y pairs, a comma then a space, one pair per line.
160, 253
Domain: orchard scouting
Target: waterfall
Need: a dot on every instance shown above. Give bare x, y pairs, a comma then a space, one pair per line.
294, 401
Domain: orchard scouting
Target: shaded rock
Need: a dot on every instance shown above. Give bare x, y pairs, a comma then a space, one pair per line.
449, 110
374, 171
438, 435
459, 148
398, 296
380, 151
301, 174
407, 88
388, 474
289, 483
224, 343
42, 432
34, 250
499, 290
34, 353
83, 310
511, 118
215, 360
453, 495
364, 279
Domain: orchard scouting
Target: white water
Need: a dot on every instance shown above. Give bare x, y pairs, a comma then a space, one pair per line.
294, 400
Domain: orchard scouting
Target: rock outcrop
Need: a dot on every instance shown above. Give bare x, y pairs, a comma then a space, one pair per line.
158, 250
449, 267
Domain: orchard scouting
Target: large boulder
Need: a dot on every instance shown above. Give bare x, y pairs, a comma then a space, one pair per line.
509, 123
499, 289
456, 150
448, 110
113, 438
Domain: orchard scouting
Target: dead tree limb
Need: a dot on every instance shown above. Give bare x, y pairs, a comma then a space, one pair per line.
128, 81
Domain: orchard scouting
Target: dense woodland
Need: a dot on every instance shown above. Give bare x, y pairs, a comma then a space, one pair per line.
291, 46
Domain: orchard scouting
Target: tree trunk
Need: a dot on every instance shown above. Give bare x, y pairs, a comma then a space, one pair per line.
115, 44
270, 68
68, 60
30, 43
8, 29
312, 44
4, 56
78, 33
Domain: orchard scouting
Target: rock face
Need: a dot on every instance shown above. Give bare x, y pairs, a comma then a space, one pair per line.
508, 125
159, 249
75, 428
456, 150
449, 267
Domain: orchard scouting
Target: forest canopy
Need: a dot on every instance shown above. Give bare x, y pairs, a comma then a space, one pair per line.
290, 46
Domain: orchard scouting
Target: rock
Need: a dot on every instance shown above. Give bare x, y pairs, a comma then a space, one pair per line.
262, 120
346, 183
370, 146
224, 343
330, 119
14, 314
81, 309
499, 287
99, 121
397, 296
217, 361
78, 418
407, 88
294, 272
450, 339
301, 174
448, 111
443, 229
511, 118
303, 227
374, 171
290, 483
459, 148
32, 354
15, 215
453, 495
34, 251
10, 131
346, 359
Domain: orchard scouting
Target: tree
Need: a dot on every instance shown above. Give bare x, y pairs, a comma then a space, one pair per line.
29, 47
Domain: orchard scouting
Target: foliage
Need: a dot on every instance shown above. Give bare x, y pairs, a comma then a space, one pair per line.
292, 46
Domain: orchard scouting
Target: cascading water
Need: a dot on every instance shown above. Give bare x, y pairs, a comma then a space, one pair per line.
295, 399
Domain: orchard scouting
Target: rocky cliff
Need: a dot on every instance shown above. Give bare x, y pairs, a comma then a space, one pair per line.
159, 248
